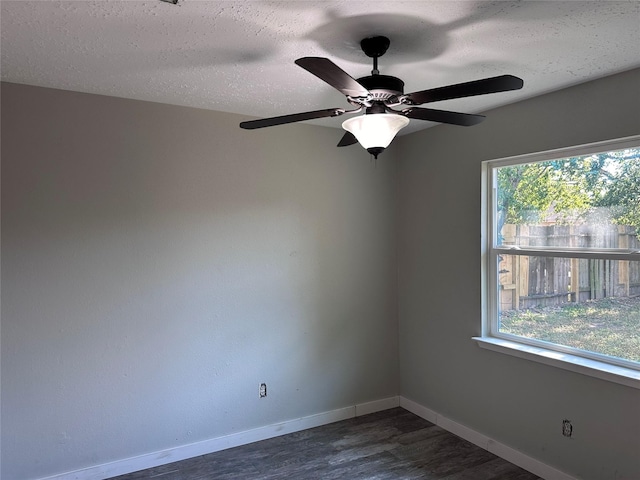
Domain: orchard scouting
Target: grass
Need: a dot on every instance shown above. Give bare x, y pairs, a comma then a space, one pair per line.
610, 326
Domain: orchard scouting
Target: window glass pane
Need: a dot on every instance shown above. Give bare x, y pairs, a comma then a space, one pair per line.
590, 304
589, 201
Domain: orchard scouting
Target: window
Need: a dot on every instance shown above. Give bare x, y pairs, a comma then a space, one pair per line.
562, 251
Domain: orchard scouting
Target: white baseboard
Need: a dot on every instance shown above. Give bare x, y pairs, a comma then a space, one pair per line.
182, 452
377, 406
501, 450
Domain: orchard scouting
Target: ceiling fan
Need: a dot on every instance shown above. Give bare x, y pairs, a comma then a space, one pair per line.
378, 94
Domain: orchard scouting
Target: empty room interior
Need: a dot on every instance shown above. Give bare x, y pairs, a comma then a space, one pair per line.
175, 285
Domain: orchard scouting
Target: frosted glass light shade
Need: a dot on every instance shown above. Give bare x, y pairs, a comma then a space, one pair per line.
375, 130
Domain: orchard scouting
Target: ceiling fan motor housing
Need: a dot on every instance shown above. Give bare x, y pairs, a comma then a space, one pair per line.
382, 87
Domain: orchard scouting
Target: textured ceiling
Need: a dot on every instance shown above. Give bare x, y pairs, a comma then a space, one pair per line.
238, 56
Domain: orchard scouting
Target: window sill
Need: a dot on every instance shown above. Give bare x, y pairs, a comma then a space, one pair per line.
573, 363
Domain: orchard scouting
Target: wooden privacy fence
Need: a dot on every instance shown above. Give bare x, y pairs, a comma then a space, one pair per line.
527, 282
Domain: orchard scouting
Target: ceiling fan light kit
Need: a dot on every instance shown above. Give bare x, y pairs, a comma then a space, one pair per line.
378, 94
375, 131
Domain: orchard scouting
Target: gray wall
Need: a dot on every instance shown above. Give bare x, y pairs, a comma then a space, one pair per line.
158, 263
517, 402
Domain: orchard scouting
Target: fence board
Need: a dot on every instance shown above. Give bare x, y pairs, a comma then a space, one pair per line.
542, 281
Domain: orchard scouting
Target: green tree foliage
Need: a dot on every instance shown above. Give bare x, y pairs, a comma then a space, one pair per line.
600, 188
622, 192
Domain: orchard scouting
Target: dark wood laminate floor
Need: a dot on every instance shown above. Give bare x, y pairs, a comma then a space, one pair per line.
390, 445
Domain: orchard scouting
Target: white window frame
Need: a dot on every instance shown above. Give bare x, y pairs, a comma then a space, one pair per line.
568, 358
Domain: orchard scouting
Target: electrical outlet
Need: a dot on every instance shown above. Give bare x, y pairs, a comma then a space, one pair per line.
263, 390
567, 428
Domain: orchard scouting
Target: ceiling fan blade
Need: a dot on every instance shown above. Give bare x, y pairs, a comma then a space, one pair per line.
296, 117
503, 83
347, 139
326, 70
442, 116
